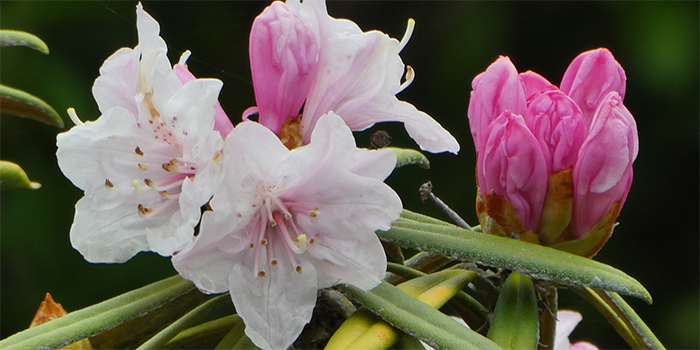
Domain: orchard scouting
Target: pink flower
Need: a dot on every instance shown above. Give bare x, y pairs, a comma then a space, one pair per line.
549, 164
302, 56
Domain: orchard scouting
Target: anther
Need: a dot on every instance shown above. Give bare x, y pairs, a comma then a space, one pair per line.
273, 263
164, 194
143, 167
138, 151
144, 210
298, 269
264, 241
261, 274
410, 75
109, 183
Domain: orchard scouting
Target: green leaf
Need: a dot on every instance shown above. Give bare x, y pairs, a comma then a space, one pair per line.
625, 320
12, 176
99, 317
214, 329
22, 104
19, 38
174, 328
515, 318
405, 156
538, 262
418, 318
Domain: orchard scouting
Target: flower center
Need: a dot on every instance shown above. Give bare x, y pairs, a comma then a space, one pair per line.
274, 223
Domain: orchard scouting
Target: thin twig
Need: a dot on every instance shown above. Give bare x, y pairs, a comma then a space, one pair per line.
426, 193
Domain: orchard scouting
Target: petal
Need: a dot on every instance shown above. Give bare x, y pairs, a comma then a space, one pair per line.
209, 261
274, 308
511, 163
567, 321
603, 171
284, 59
116, 85
557, 123
222, 123
497, 90
149, 31
359, 77
590, 77
535, 84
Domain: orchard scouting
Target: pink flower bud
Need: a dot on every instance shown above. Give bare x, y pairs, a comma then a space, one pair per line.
590, 77
557, 123
495, 91
284, 57
511, 164
603, 172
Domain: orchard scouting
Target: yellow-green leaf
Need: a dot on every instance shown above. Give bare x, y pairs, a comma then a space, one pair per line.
25, 105
20, 38
515, 319
12, 176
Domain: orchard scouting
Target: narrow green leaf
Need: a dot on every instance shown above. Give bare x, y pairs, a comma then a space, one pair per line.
405, 156
417, 318
19, 38
538, 262
22, 104
135, 331
621, 316
515, 318
12, 176
214, 329
98, 318
232, 337
174, 328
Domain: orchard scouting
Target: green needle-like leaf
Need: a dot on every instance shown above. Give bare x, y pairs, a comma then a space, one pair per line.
625, 320
12, 176
405, 156
98, 318
19, 38
538, 262
515, 318
174, 328
22, 104
418, 318
214, 329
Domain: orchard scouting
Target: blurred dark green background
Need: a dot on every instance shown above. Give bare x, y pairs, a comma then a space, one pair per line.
656, 43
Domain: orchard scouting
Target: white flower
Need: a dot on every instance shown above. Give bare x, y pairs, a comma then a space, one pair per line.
286, 223
566, 322
301, 55
149, 162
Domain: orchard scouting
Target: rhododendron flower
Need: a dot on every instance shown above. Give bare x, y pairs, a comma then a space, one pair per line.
300, 55
150, 161
566, 322
551, 168
288, 222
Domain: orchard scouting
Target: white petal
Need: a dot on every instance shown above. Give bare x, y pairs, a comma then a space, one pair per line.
116, 85
149, 31
275, 308
567, 321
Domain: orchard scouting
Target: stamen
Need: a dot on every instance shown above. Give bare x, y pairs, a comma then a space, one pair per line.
109, 183
410, 75
138, 151
184, 57
143, 167
167, 183
283, 208
261, 274
144, 210
407, 34
298, 269
171, 166
273, 263
270, 216
282, 229
249, 113
260, 238
74, 117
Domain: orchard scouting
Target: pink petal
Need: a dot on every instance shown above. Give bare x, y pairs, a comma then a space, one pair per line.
603, 171
497, 90
284, 60
511, 163
535, 84
557, 123
590, 77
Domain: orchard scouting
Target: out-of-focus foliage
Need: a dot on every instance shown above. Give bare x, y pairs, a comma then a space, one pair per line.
656, 43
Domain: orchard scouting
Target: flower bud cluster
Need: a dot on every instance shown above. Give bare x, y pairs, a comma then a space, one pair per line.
554, 164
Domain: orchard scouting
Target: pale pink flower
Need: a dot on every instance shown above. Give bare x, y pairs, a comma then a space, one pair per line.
150, 161
566, 322
288, 222
301, 55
